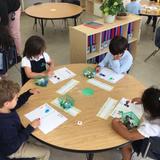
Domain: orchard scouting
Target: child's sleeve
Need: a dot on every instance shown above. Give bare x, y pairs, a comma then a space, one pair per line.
148, 129
22, 99
105, 61
25, 62
47, 57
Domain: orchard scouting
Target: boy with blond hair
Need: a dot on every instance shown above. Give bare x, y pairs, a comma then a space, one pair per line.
13, 137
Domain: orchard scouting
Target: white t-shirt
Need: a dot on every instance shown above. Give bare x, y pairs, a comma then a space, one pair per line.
26, 62
150, 128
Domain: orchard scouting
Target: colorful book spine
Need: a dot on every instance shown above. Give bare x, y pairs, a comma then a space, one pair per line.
130, 31
93, 43
105, 39
88, 48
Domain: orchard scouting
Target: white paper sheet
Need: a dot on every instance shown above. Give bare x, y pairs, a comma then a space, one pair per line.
107, 108
109, 75
137, 109
100, 84
67, 87
72, 111
49, 118
61, 74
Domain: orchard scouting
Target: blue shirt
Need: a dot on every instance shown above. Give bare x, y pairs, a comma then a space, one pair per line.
133, 7
118, 66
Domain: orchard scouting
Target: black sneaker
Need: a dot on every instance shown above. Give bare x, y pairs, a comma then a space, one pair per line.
19, 58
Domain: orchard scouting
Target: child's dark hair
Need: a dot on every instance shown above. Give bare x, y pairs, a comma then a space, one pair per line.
34, 46
8, 89
6, 39
151, 102
118, 45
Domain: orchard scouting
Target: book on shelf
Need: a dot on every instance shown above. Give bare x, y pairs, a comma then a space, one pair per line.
88, 47
91, 44
130, 31
93, 49
107, 35
93, 24
129, 113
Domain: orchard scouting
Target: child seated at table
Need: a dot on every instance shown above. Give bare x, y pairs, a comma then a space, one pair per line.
13, 139
133, 7
149, 127
119, 59
36, 62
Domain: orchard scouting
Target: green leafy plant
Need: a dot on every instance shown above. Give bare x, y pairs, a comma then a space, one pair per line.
111, 7
122, 11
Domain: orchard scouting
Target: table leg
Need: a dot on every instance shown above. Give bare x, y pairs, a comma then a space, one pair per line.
154, 23
42, 27
75, 21
89, 156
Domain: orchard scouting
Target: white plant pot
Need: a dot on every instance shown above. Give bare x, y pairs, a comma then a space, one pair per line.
109, 19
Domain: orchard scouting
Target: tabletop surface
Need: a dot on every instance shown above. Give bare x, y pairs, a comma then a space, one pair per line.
95, 133
150, 8
53, 10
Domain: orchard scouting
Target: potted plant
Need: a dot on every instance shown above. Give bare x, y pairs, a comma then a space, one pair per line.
122, 13
110, 8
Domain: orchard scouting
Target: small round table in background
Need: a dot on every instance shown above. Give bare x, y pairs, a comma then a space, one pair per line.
53, 11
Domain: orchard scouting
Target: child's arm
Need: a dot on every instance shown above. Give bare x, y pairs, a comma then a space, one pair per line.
50, 68
122, 130
122, 67
105, 60
23, 98
50, 63
31, 74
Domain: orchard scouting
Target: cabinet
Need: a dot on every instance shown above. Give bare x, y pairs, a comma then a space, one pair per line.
83, 49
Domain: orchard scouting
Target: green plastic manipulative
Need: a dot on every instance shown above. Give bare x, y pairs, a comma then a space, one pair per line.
89, 72
41, 81
87, 91
66, 101
129, 119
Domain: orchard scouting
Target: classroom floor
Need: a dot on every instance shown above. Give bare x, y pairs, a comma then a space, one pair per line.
57, 38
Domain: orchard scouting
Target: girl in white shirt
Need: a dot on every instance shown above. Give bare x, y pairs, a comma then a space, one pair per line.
150, 126
36, 62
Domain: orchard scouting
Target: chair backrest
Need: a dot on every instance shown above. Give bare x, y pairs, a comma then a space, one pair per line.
154, 149
157, 37
151, 148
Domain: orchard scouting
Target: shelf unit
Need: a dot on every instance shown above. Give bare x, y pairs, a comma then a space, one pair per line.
79, 38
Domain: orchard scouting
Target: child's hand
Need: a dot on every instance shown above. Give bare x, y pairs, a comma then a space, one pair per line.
97, 68
136, 100
117, 122
34, 91
49, 73
35, 123
117, 57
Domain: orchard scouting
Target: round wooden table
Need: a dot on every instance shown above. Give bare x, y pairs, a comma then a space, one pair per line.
151, 8
52, 11
95, 134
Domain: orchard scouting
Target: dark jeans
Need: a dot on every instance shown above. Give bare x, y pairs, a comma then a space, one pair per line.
154, 21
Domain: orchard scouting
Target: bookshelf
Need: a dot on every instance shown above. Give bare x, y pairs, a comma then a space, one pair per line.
88, 44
